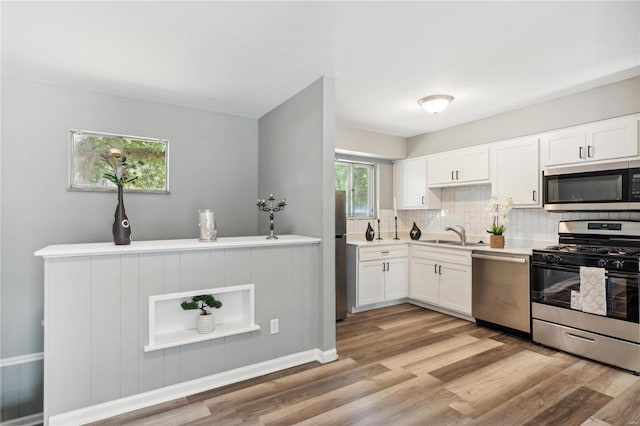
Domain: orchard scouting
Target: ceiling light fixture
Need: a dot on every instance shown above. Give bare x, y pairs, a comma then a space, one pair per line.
435, 103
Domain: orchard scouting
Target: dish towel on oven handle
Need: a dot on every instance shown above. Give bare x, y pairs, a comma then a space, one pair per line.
593, 293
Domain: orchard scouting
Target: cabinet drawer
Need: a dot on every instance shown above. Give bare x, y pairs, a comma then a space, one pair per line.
462, 256
388, 252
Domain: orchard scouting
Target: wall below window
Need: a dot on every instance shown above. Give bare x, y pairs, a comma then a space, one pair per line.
205, 151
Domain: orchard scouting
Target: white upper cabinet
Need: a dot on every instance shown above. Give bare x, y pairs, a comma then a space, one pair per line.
600, 141
410, 185
459, 167
517, 172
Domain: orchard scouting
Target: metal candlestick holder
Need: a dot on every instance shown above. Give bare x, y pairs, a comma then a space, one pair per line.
379, 237
396, 220
262, 206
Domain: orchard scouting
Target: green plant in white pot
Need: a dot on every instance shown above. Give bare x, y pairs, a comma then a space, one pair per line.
499, 211
205, 322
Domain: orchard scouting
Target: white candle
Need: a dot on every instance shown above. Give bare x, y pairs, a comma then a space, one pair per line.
207, 225
395, 213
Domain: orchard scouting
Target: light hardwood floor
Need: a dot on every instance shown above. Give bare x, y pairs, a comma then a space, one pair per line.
406, 365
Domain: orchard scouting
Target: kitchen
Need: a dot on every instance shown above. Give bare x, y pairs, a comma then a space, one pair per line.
202, 156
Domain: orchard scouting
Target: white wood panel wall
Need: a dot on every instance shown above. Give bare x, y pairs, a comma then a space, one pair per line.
98, 312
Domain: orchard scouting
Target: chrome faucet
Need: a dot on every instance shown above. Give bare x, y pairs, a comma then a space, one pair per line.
462, 233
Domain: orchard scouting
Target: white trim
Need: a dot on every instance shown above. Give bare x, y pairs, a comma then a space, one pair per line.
442, 310
33, 419
358, 309
161, 246
21, 359
157, 396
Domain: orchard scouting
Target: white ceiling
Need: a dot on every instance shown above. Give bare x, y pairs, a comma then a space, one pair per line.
245, 58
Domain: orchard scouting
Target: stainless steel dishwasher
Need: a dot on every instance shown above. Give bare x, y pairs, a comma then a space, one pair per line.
500, 290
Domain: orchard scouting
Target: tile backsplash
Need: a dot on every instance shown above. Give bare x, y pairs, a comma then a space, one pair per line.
466, 206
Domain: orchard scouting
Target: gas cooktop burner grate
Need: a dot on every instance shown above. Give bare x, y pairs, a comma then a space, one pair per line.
613, 251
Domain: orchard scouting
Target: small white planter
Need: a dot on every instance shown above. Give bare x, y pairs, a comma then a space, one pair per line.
205, 324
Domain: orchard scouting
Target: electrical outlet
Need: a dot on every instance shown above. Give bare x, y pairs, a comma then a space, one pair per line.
274, 326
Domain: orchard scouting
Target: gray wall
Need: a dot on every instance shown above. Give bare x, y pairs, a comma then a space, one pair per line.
213, 163
111, 294
370, 144
603, 102
296, 162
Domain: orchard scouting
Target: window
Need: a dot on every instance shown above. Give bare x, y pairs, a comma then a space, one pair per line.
358, 179
147, 158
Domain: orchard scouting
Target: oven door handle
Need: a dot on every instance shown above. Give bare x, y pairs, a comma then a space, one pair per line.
584, 339
555, 267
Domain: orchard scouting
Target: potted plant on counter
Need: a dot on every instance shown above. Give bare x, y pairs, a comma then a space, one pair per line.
205, 322
499, 212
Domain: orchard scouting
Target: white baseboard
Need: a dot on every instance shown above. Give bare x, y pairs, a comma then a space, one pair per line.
34, 419
357, 310
442, 310
157, 396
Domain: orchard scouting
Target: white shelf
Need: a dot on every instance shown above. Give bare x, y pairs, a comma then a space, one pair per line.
170, 325
184, 337
100, 249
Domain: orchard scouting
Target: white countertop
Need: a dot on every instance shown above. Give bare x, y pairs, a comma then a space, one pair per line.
97, 249
512, 246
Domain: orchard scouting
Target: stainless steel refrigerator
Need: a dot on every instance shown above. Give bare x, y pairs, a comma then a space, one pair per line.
341, 255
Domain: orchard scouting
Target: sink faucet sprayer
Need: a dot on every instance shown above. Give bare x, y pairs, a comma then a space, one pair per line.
462, 233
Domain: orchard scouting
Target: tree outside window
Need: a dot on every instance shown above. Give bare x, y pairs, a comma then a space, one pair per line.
88, 166
358, 180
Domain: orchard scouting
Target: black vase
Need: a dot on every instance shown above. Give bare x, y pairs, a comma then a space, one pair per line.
121, 227
369, 233
415, 232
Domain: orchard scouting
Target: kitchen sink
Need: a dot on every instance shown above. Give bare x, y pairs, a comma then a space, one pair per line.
456, 243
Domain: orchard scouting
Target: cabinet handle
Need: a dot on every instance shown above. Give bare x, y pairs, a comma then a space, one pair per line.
589, 151
435, 268
383, 269
580, 149
452, 175
423, 200
385, 252
457, 178
387, 266
534, 195
439, 269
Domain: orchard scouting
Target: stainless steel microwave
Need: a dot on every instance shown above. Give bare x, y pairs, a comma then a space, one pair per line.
601, 187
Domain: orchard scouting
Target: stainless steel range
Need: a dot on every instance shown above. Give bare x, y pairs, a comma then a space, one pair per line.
608, 250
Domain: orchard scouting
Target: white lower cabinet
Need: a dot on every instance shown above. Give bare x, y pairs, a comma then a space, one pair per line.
441, 277
376, 274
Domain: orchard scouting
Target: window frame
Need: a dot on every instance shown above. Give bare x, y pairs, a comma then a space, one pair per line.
371, 190
88, 187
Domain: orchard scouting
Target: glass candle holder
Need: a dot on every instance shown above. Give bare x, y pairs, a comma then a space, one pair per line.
207, 223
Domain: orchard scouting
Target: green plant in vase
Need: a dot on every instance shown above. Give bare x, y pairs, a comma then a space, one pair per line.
205, 322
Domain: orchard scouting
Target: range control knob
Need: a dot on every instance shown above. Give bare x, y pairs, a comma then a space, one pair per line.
618, 263
557, 259
602, 263
547, 257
